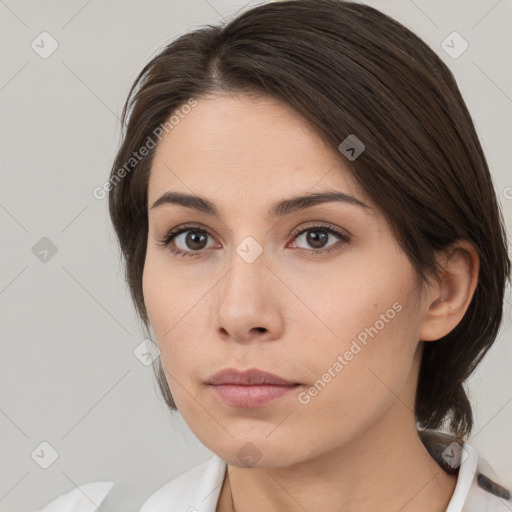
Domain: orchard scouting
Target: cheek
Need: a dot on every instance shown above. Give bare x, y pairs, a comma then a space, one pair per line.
156, 300
366, 339
172, 306
167, 295
361, 302
356, 383
163, 310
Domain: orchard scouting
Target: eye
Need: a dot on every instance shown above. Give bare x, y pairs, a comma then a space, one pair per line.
317, 236
190, 240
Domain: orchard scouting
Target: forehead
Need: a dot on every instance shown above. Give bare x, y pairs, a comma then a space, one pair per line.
245, 144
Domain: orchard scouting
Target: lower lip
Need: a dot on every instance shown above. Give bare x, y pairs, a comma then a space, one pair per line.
250, 396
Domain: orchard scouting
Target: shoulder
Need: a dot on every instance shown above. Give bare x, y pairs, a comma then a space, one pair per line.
478, 488
196, 489
84, 498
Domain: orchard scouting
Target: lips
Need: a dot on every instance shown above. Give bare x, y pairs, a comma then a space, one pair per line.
250, 377
249, 388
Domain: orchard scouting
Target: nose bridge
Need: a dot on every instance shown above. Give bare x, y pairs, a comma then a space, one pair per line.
248, 248
245, 299
248, 266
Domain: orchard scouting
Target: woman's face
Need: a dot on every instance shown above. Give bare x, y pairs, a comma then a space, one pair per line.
338, 314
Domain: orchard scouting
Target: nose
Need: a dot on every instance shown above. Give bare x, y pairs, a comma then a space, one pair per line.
247, 306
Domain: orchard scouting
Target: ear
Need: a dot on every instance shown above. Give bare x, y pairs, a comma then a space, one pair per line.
447, 302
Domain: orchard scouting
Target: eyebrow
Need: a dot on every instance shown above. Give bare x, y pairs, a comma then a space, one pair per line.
278, 209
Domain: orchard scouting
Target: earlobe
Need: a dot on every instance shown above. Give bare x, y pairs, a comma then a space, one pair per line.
447, 301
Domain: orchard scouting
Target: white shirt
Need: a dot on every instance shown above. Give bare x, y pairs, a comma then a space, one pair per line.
198, 489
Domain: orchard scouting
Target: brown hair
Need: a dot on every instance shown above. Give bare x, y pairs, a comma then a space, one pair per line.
348, 69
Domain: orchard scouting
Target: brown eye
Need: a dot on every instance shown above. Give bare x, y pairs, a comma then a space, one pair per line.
193, 240
187, 241
317, 238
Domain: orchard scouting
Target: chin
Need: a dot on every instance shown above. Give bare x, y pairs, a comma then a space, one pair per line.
258, 453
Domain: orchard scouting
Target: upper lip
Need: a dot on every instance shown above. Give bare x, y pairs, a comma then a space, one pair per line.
250, 377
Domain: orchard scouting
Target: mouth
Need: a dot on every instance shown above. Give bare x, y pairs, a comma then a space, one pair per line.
250, 388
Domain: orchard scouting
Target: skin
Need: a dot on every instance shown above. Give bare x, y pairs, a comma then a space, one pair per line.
354, 446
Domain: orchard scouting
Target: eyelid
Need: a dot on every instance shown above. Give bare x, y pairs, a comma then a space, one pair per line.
173, 233
343, 235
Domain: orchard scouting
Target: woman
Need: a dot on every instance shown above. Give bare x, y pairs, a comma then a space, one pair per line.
310, 229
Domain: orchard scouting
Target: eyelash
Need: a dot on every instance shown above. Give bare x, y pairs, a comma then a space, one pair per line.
194, 227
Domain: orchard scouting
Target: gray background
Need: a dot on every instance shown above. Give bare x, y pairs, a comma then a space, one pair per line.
69, 375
